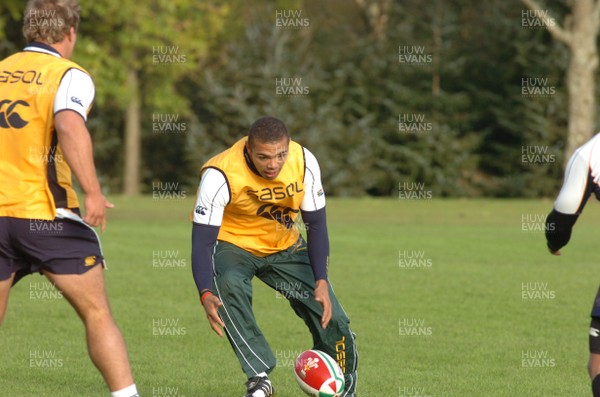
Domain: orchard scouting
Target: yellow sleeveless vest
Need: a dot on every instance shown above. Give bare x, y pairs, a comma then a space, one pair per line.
34, 176
260, 215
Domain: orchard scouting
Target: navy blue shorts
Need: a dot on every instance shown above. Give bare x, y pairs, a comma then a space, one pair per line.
61, 246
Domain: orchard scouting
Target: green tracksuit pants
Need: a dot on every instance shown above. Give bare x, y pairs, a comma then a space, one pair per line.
289, 272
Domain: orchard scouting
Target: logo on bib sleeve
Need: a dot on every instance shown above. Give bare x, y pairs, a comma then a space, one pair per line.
76, 100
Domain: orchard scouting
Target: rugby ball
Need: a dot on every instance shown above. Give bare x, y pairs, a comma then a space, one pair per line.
318, 374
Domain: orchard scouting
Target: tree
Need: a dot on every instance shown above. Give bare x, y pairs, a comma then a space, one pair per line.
498, 52
10, 23
579, 32
350, 118
138, 52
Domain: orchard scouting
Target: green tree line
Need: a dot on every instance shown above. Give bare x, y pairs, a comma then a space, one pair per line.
467, 98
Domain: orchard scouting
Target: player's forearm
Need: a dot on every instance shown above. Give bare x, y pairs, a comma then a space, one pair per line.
558, 229
318, 241
76, 146
203, 241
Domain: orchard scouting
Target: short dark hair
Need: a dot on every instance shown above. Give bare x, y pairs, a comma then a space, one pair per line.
268, 129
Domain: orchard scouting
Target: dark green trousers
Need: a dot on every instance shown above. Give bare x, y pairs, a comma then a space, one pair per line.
289, 272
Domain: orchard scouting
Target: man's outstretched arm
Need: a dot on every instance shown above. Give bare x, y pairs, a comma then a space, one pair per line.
213, 196
204, 238
313, 215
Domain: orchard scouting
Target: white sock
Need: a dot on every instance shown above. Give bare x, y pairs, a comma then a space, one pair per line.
262, 375
129, 391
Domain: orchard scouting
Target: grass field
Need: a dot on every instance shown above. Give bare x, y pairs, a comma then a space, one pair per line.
485, 311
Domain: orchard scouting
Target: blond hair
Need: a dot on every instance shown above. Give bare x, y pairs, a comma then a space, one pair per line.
49, 21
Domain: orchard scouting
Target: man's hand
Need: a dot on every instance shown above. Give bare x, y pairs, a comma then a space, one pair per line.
322, 296
211, 304
95, 210
557, 252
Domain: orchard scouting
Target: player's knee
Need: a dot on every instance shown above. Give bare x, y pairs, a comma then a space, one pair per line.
340, 320
95, 314
346, 336
102, 324
231, 284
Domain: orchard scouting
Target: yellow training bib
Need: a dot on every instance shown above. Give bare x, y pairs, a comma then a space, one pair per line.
34, 176
260, 215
